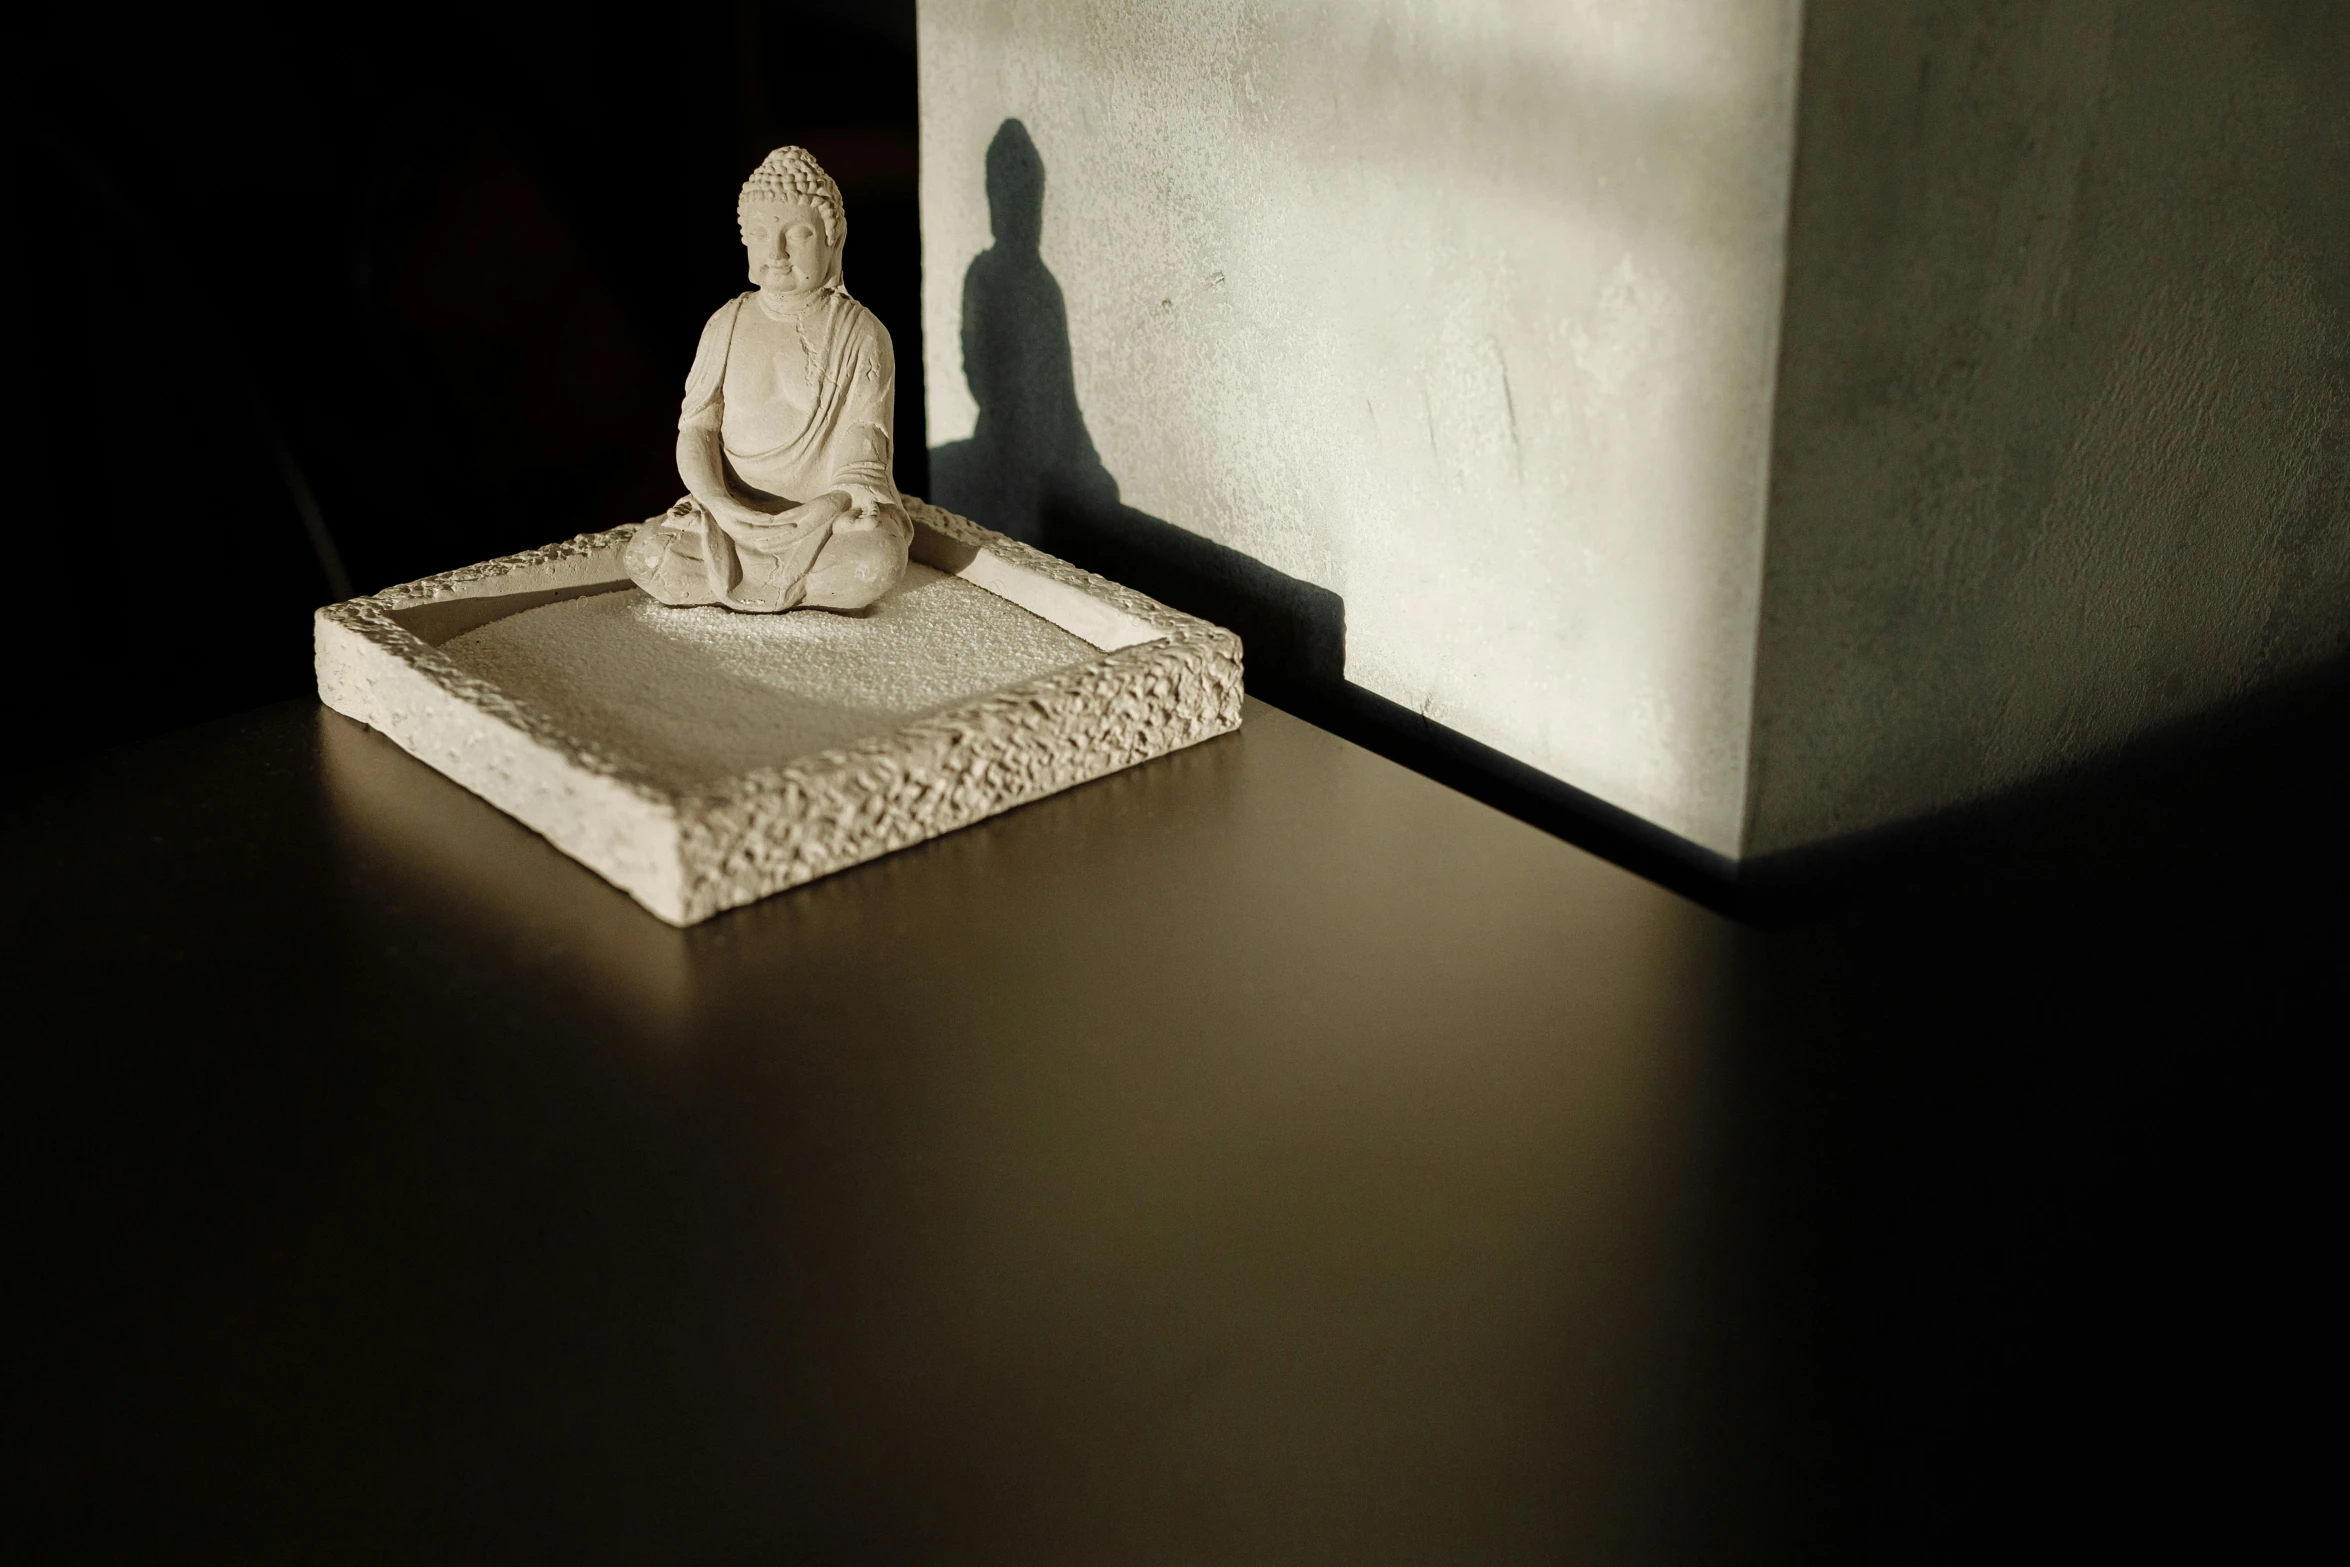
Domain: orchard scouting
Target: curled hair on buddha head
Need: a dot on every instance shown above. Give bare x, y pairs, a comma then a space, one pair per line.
792, 174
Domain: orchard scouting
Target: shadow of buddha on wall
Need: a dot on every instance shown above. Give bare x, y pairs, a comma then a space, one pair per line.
1030, 468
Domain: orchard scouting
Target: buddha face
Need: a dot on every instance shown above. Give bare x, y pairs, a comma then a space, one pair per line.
786, 246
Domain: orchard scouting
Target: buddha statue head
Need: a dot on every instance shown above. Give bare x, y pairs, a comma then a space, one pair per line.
793, 226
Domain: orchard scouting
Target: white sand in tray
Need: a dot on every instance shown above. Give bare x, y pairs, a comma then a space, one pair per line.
700, 695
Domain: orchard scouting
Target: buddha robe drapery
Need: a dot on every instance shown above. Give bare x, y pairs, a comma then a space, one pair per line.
802, 401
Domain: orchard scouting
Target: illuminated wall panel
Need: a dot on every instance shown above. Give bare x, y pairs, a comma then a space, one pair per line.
1769, 465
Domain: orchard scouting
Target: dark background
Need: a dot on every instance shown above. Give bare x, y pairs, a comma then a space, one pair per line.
432, 276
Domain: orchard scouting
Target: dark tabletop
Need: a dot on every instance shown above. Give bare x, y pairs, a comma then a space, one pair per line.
1264, 1155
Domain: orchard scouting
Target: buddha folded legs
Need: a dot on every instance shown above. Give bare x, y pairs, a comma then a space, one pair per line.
792, 393
686, 556
821, 556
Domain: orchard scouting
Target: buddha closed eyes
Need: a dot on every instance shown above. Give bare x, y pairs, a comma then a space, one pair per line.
784, 441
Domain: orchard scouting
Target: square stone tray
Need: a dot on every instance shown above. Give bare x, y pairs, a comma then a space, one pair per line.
700, 759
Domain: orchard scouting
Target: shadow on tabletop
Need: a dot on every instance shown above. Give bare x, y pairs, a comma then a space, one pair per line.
1030, 469
2292, 737
459, 853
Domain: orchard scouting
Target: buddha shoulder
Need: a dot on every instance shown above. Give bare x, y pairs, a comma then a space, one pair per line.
722, 320
869, 334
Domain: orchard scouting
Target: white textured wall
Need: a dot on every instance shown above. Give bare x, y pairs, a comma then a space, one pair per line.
1462, 309
2063, 442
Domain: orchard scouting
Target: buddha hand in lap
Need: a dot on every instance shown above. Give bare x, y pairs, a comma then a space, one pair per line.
784, 441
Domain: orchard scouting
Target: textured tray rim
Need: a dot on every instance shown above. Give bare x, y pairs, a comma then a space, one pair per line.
1175, 682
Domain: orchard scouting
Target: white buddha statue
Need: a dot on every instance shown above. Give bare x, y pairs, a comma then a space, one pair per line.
784, 442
